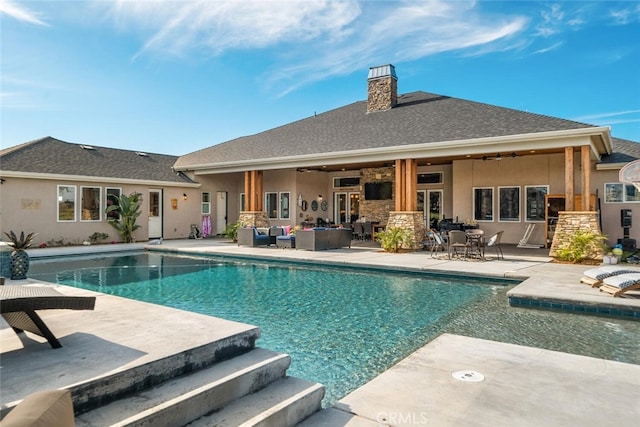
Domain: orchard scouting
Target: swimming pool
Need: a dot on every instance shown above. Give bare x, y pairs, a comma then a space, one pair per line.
341, 326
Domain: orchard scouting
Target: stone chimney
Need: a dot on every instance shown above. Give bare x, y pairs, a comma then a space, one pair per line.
382, 86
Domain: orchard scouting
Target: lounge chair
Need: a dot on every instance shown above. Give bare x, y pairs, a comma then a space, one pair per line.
594, 276
18, 305
618, 285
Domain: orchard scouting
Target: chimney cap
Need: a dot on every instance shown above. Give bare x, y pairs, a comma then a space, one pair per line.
380, 71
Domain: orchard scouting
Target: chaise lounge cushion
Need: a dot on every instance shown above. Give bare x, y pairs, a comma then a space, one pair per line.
42, 409
594, 276
622, 281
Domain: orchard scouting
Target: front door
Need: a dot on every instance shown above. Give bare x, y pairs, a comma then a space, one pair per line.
155, 214
221, 212
430, 203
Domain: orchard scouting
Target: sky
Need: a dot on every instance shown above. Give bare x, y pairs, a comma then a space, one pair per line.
174, 77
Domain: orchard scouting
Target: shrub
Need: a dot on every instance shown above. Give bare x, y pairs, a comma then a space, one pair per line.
97, 236
394, 238
582, 245
231, 231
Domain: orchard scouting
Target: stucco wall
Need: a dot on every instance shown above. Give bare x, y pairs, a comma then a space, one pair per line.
31, 205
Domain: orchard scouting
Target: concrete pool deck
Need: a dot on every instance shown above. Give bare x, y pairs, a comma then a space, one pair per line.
522, 386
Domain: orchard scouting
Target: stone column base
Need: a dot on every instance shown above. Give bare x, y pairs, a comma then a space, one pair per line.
410, 220
570, 222
254, 218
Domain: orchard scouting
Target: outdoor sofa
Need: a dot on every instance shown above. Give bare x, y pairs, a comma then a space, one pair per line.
319, 239
252, 236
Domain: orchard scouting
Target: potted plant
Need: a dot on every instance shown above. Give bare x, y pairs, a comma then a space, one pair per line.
19, 256
394, 238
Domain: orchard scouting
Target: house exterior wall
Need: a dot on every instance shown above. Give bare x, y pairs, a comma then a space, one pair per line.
534, 170
31, 205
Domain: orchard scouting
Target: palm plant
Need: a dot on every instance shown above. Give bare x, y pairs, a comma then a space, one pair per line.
19, 256
128, 211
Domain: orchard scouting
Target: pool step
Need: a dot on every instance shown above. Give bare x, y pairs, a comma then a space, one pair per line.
184, 399
285, 403
101, 391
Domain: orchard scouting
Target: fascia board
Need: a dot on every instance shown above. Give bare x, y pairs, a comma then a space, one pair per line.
535, 141
99, 179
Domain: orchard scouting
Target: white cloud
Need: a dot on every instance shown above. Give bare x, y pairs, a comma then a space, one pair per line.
20, 13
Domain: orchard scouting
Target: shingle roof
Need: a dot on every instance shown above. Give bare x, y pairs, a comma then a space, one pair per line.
623, 151
52, 156
418, 118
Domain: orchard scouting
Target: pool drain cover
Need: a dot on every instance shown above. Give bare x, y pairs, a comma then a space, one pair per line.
468, 376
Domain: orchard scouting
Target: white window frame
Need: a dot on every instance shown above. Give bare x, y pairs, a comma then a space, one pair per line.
59, 199
439, 182
272, 211
99, 199
205, 207
517, 204
473, 195
623, 190
107, 193
344, 187
284, 205
527, 202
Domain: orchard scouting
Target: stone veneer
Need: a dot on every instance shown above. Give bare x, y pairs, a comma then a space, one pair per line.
254, 218
570, 222
414, 221
382, 94
376, 210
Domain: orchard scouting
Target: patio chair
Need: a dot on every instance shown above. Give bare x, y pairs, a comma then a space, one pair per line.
620, 284
367, 231
458, 244
357, 230
595, 276
494, 241
18, 305
435, 242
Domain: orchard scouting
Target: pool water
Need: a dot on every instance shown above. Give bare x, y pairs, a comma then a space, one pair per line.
342, 327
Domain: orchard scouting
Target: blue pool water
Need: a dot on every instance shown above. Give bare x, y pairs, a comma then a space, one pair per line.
341, 327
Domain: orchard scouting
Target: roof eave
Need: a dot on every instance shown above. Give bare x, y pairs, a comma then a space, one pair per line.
101, 179
596, 137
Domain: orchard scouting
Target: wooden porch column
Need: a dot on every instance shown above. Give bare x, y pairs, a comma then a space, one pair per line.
400, 190
253, 190
411, 185
248, 200
586, 177
406, 185
257, 190
569, 192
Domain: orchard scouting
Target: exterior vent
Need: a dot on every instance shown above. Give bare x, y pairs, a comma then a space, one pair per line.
141, 154
382, 85
87, 147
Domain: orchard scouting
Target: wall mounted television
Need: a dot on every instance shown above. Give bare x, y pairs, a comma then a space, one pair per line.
378, 191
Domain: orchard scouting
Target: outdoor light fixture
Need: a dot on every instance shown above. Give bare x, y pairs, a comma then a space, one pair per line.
299, 199
184, 196
320, 197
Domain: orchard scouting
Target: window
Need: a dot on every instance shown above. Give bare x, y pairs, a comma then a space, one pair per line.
349, 181
430, 178
91, 201
205, 205
534, 208
509, 203
112, 196
483, 204
617, 192
284, 205
271, 204
66, 202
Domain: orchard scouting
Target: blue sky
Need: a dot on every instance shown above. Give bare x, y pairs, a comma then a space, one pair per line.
177, 76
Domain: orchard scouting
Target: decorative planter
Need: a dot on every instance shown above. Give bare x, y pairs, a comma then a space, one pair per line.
19, 265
